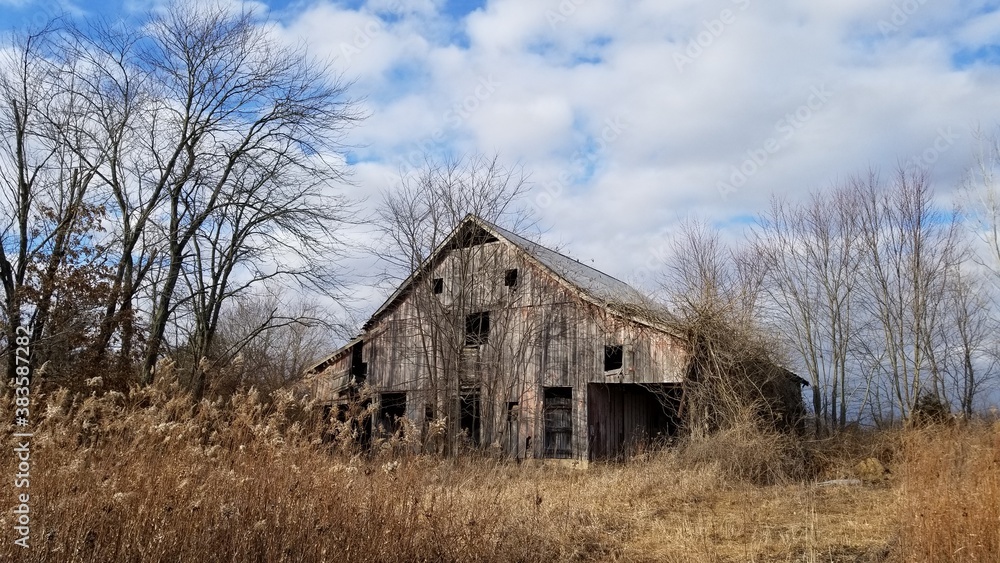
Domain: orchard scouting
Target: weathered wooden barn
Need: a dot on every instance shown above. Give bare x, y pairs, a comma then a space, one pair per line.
515, 347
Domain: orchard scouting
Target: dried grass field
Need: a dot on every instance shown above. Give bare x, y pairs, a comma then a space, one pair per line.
149, 477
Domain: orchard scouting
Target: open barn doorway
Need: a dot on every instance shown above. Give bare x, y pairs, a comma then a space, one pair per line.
624, 419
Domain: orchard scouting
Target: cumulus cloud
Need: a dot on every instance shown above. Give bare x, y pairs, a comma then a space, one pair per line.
629, 115
632, 115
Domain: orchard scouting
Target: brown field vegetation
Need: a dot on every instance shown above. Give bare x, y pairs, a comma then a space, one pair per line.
154, 476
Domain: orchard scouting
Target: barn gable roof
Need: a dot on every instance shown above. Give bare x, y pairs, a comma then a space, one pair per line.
591, 284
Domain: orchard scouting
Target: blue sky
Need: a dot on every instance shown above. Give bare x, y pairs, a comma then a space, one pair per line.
630, 116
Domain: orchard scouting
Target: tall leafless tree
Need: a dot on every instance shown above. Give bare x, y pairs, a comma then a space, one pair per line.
117, 139
199, 150
263, 339
813, 252
911, 248
416, 217
982, 199
714, 299
242, 116
48, 205
968, 336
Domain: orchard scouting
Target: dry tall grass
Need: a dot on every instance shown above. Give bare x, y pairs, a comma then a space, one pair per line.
949, 496
153, 476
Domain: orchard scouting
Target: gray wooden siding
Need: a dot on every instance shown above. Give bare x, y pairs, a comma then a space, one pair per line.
542, 334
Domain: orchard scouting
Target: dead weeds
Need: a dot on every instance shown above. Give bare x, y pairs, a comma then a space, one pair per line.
152, 477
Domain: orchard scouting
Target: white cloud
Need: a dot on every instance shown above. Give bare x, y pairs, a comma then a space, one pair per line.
561, 74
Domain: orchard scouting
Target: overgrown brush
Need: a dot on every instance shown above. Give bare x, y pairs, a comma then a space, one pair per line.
747, 454
838, 455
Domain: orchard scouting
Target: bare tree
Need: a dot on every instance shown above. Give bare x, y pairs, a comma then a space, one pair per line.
261, 340
813, 252
116, 137
735, 376
419, 212
48, 208
192, 153
242, 114
273, 226
968, 335
910, 251
972, 293
982, 199
416, 217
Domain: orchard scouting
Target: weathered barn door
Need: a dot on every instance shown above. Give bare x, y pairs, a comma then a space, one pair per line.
513, 442
557, 406
624, 419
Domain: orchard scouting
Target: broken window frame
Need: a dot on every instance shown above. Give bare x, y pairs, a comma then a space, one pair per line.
511, 278
614, 358
477, 328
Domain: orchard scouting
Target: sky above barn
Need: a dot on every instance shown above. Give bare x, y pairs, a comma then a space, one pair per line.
630, 116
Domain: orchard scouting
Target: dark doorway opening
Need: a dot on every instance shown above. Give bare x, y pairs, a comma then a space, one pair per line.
471, 421
392, 410
513, 442
359, 368
557, 406
624, 419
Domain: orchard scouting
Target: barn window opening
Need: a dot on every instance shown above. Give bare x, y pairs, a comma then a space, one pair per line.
512, 411
359, 368
471, 236
477, 328
510, 278
613, 357
438, 286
